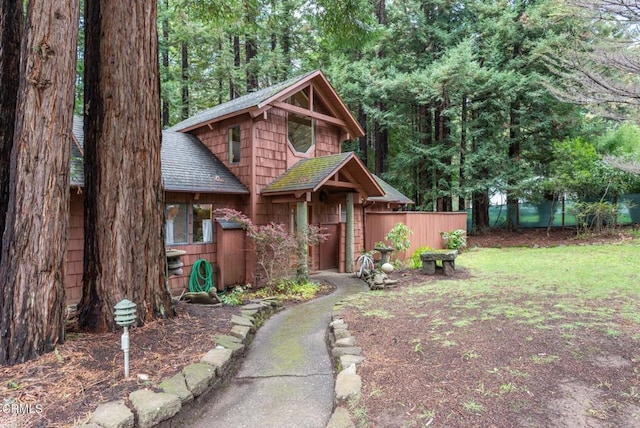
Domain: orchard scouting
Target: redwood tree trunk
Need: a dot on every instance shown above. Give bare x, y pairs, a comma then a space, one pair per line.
124, 255
185, 79
251, 50
480, 211
35, 238
10, 36
166, 116
363, 144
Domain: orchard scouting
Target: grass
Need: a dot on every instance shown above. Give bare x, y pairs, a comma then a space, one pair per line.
562, 291
577, 277
596, 270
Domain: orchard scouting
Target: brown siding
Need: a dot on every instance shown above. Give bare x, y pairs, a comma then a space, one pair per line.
177, 284
208, 252
272, 155
426, 227
216, 140
327, 139
74, 259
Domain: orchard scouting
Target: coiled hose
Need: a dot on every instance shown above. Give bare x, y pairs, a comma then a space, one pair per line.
201, 278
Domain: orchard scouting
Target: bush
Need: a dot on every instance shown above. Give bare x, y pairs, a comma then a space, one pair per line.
455, 240
231, 297
399, 238
595, 216
416, 262
288, 289
274, 245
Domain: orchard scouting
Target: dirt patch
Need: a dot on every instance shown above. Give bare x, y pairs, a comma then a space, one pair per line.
455, 359
498, 238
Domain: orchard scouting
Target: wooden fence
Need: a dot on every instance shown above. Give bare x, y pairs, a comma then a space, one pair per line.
426, 227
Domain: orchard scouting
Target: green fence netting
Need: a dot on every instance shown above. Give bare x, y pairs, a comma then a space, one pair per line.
534, 215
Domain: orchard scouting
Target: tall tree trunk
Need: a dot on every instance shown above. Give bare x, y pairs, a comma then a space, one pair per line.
381, 138
35, 238
124, 254
165, 63
234, 92
480, 211
185, 80
363, 146
10, 37
251, 50
381, 144
513, 209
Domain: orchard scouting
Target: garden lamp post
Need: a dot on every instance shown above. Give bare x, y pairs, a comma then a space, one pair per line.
125, 316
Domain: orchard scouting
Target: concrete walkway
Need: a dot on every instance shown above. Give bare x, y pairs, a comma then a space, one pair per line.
286, 378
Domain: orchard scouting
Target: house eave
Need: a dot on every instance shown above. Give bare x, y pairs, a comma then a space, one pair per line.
185, 189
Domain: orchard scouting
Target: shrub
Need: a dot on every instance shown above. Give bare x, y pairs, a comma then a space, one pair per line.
416, 262
274, 245
455, 239
288, 289
595, 216
231, 297
399, 238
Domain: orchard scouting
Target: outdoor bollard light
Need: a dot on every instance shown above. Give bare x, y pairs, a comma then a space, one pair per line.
125, 315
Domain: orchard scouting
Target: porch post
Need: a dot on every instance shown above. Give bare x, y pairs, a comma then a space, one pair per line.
349, 238
302, 271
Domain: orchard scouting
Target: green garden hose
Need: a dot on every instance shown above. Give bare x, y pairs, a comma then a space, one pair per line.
201, 278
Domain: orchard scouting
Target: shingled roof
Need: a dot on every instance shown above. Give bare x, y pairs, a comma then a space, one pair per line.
187, 165
313, 173
392, 195
255, 103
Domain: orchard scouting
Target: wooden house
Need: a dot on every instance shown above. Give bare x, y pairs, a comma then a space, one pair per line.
276, 156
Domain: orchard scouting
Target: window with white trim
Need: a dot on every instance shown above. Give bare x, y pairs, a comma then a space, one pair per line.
202, 223
176, 224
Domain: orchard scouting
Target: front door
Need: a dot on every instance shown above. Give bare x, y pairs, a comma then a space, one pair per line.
329, 248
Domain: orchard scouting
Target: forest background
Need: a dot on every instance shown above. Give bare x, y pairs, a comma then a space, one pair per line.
460, 100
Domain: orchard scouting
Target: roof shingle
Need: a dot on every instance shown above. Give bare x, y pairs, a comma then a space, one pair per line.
187, 165
307, 174
248, 101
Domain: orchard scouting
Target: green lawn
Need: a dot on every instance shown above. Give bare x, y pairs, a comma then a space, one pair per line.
505, 339
591, 270
576, 276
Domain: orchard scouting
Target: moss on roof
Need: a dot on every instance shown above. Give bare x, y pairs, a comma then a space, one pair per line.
308, 173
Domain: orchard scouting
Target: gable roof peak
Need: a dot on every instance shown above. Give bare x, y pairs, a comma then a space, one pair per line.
259, 101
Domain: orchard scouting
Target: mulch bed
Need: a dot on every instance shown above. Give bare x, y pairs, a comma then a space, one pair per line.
62, 388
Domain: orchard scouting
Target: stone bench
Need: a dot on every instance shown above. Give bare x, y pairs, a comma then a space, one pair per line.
447, 257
